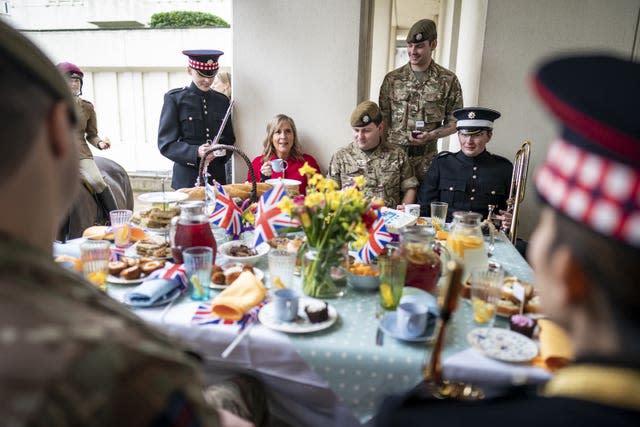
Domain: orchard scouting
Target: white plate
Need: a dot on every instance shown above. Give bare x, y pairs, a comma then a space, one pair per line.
256, 271
301, 325
502, 344
174, 295
261, 250
388, 323
160, 197
120, 281
286, 181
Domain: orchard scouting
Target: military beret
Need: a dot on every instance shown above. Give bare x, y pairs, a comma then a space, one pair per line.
592, 170
366, 112
204, 61
472, 120
421, 31
25, 56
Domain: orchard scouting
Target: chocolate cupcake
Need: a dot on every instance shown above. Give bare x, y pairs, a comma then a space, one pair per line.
522, 324
317, 311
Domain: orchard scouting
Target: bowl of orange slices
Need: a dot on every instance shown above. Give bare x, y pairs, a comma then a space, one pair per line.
363, 277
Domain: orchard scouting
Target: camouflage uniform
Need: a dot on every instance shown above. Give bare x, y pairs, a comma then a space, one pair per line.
387, 171
70, 355
404, 99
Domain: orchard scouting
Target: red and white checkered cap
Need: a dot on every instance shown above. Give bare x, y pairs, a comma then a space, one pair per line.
204, 61
592, 173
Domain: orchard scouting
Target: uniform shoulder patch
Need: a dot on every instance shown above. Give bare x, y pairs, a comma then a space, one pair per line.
178, 89
444, 154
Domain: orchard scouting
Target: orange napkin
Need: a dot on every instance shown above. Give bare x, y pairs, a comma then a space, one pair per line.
243, 294
556, 349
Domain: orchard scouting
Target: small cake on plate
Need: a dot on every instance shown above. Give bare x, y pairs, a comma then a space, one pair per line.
522, 324
317, 311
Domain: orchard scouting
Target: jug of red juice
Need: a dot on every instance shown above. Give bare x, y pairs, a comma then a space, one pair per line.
190, 229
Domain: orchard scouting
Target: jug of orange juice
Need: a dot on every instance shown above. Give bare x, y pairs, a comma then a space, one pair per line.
465, 242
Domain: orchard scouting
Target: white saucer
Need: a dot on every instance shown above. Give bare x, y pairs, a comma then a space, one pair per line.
120, 281
388, 324
502, 344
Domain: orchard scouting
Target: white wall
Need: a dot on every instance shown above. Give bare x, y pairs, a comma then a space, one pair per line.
300, 60
383, 39
520, 33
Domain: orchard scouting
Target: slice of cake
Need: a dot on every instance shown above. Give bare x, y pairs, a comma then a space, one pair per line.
317, 311
522, 324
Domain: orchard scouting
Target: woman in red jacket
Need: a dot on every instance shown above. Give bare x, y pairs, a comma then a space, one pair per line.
282, 143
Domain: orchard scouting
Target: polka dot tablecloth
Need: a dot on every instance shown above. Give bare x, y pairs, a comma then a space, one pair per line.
362, 373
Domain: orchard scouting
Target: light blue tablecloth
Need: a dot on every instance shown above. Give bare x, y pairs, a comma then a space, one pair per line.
360, 372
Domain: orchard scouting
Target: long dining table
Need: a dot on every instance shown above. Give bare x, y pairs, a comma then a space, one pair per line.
336, 376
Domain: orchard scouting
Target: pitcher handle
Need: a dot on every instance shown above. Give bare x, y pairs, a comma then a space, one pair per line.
443, 252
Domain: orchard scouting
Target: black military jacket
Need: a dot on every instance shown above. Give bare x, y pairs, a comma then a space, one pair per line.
466, 183
188, 119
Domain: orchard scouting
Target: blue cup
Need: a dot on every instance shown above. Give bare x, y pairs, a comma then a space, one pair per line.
286, 304
412, 319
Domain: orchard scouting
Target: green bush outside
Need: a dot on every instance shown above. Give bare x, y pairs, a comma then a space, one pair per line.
186, 19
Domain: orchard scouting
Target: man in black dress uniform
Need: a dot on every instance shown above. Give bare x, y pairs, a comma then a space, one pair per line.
472, 178
585, 254
190, 119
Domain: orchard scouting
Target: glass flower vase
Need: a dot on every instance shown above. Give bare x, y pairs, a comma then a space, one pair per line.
324, 272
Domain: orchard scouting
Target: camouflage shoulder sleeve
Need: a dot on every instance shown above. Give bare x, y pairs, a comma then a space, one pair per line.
136, 387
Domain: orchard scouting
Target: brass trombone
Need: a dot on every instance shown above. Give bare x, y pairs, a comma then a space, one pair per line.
518, 186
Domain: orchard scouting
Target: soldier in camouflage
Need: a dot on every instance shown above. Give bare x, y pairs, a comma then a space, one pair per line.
386, 169
69, 354
417, 100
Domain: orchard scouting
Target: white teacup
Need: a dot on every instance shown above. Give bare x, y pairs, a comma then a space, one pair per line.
279, 165
412, 209
411, 318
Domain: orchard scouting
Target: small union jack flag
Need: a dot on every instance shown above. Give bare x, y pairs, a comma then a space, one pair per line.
269, 217
175, 272
226, 214
115, 253
379, 237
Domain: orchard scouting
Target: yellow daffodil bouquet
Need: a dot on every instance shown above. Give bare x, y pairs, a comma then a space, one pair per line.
331, 218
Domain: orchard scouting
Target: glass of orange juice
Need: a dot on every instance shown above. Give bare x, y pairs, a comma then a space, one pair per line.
120, 225
485, 293
95, 261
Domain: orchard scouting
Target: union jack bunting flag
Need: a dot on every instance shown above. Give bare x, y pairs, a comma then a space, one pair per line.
204, 316
269, 217
226, 214
379, 237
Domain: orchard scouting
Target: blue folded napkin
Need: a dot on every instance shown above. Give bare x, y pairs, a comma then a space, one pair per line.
153, 292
